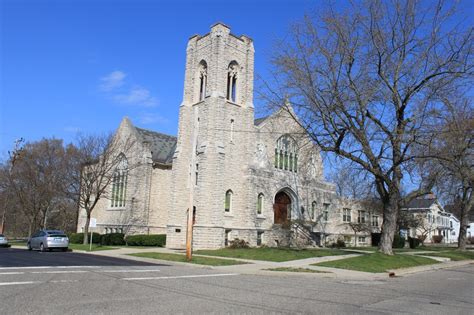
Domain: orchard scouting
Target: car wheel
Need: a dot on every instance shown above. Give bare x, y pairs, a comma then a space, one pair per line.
29, 246
64, 249
42, 249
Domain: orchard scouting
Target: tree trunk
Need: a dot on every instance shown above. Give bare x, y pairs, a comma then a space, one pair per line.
86, 229
389, 226
30, 229
463, 230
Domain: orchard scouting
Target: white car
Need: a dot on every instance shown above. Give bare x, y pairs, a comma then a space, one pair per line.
3, 241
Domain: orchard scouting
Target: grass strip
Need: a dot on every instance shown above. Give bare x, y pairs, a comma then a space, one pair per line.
291, 269
95, 247
378, 262
454, 255
271, 254
209, 261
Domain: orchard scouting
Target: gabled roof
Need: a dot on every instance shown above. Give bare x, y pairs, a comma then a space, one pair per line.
258, 121
420, 204
162, 146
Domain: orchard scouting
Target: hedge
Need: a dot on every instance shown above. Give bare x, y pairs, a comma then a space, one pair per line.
146, 240
414, 242
78, 238
398, 241
112, 239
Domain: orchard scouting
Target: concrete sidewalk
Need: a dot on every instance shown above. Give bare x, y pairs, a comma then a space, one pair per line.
260, 267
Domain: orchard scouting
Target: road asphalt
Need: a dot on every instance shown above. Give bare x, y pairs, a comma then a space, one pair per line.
78, 283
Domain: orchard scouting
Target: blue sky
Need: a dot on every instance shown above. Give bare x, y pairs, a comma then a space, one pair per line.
81, 66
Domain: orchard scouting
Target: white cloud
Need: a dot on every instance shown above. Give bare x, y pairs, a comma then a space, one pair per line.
151, 118
137, 96
72, 129
112, 81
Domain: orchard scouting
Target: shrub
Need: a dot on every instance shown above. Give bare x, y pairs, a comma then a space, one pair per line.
338, 244
146, 240
238, 243
437, 238
414, 242
398, 241
470, 240
78, 238
112, 239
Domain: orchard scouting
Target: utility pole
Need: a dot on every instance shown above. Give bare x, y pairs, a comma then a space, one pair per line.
14, 156
192, 182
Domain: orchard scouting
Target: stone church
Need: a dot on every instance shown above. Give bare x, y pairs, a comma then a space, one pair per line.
260, 180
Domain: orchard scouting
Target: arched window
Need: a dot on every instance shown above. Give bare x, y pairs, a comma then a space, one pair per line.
119, 184
228, 201
202, 79
232, 81
260, 203
286, 155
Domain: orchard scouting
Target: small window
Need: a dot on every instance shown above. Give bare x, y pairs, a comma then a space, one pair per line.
228, 201
362, 239
346, 215
313, 209
375, 220
325, 215
259, 238
326, 212
231, 130
197, 175
259, 203
362, 216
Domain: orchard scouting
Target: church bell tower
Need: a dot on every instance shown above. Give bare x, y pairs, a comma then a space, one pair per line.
214, 135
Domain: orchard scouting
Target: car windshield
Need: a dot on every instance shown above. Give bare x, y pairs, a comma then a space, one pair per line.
1, 235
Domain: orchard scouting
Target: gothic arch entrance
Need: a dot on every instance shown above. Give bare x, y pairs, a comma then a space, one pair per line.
281, 208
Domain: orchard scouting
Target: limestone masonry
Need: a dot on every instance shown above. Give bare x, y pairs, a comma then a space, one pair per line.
260, 180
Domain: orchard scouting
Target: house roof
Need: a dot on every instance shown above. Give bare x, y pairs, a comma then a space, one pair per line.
420, 204
258, 121
162, 146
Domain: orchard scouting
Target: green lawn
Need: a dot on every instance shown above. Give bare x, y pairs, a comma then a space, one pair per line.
453, 254
196, 259
95, 247
271, 254
378, 262
291, 269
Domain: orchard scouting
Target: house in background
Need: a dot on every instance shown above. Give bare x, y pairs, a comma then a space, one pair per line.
433, 220
454, 226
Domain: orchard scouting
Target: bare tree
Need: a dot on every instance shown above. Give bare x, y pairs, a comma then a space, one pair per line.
36, 181
454, 151
365, 83
95, 160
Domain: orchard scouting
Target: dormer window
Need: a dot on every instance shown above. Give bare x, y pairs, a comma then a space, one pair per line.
202, 80
232, 81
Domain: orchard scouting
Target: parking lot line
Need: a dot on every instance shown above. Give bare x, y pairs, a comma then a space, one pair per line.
182, 277
49, 267
130, 270
18, 283
11, 273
